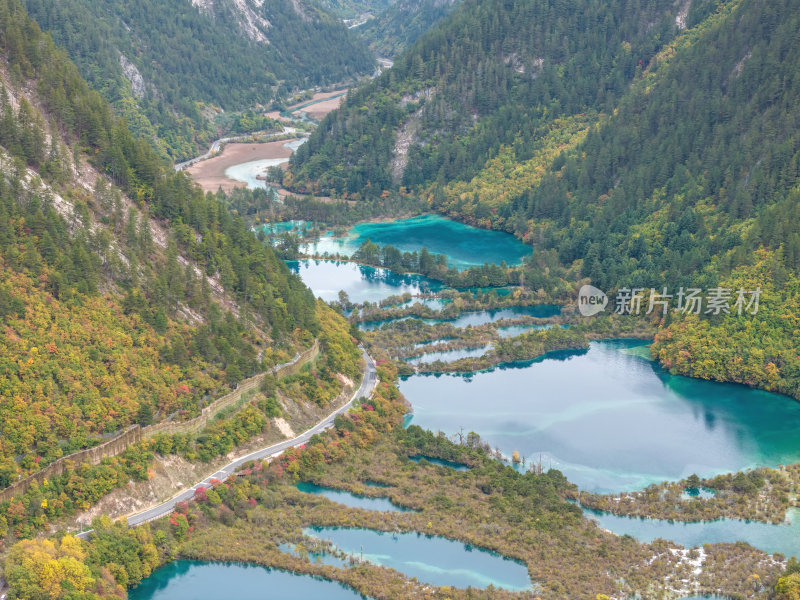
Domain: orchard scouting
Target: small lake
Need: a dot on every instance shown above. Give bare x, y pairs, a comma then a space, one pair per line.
432, 303
771, 538
449, 355
479, 317
465, 246
192, 580
515, 330
362, 283
431, 559
352, 500
611, 420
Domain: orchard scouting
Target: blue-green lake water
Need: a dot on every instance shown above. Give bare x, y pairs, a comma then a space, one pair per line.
191, 580
434, 560
449, 355
465, 246
515, 330
352, 500
479, 317
771, 538
362, 283
432, 303
609, 420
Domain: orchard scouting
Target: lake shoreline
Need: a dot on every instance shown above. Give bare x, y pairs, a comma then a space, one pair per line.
520, 363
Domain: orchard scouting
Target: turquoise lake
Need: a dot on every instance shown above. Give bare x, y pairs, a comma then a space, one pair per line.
191, 580
771, 538
479, 317
515, 330
434, 560
465, 246
352, 500
449, 355
362, 283
611, 420
432, 303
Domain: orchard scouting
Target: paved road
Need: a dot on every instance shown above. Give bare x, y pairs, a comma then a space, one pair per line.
368, 383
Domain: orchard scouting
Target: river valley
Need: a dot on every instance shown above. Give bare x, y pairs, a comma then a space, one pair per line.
609, 418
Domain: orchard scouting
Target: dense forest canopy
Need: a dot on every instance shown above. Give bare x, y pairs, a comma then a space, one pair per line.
638, 144
491, 71
123, 300
402, 23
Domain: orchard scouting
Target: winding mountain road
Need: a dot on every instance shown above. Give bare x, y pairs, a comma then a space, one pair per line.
368, 383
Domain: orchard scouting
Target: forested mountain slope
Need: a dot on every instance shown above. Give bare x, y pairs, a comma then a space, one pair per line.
352, 9
643, 145
126, 295
402, 23
490, 71
165, 64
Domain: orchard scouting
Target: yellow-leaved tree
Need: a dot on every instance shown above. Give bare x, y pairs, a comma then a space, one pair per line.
44, 569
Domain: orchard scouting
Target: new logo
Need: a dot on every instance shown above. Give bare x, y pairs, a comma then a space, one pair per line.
591, 300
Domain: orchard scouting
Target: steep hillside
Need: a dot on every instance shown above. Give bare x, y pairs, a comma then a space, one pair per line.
398, 26
126, 295
691, 182
490, 71
353, 10
169, 65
